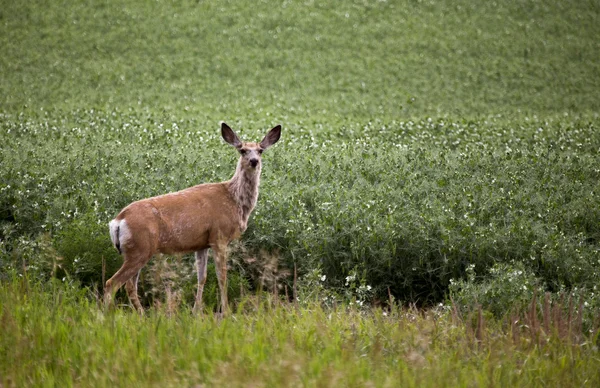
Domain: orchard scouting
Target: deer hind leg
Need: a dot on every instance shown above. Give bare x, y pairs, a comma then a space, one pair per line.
220, 253
132, 264
201, 262
132, 292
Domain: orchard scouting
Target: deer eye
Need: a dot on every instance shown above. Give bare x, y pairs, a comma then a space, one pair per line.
243, 152
260, 151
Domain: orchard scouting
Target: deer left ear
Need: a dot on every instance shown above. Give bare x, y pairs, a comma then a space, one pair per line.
271, 138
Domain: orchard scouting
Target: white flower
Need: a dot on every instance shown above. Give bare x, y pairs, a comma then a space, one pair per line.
350, 279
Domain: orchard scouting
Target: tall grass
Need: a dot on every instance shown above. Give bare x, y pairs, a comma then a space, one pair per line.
55, 335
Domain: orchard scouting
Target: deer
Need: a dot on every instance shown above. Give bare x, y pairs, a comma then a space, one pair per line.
196, 219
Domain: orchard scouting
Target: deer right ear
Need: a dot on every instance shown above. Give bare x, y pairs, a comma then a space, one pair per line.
229, 136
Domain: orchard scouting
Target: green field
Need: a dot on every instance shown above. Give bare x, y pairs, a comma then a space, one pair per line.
443, 155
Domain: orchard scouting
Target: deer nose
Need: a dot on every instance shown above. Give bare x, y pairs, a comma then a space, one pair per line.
253, 162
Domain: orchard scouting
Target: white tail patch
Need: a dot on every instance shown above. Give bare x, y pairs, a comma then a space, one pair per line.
119, 233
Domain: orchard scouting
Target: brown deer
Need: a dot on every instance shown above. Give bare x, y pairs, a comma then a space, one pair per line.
195, 219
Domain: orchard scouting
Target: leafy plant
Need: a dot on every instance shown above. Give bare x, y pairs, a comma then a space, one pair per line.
508, 286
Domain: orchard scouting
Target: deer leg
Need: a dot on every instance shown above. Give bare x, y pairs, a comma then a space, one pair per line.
201, 262
221, 269
131, 266
132, 292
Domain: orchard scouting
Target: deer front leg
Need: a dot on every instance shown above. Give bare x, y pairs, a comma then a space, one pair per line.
221, 269
201, 262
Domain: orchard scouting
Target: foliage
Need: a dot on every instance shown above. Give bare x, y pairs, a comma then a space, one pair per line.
508, 286
411, 204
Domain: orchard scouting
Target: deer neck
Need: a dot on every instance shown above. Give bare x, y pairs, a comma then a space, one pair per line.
243, 187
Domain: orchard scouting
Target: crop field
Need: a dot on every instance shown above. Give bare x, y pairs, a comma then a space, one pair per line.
430, 216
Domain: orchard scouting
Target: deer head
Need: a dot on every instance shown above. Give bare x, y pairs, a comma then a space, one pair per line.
250, 153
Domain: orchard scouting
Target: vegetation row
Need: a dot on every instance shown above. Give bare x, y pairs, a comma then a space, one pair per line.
407, 207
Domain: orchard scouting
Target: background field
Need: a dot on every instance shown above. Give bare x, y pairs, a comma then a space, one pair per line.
302, 61
433, 152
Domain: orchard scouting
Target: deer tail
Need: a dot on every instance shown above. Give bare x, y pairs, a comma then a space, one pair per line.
114, 227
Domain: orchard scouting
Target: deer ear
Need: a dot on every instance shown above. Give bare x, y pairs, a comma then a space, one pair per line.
229, 136
271, 137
